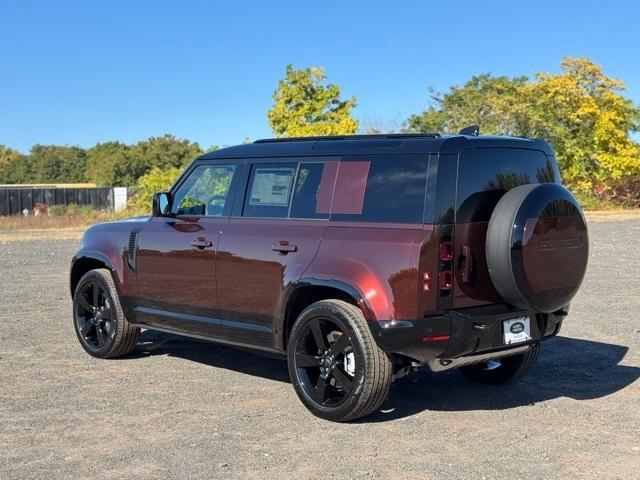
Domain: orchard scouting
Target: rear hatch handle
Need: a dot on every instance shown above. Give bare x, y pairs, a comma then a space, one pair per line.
467, 258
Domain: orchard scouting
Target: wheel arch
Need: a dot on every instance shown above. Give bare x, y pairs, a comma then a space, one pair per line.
299, 295
84, 262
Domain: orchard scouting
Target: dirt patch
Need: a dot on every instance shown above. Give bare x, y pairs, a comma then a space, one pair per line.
612, 215
74, 233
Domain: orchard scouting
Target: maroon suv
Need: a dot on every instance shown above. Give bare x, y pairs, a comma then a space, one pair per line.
358, 258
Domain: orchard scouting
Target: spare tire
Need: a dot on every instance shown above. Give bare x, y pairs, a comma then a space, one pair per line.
537, 247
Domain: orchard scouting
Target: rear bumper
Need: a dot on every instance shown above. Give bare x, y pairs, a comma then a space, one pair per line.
460, 333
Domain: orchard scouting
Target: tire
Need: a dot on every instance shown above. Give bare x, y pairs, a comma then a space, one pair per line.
100, 324
511, 368
537, 247
335, 365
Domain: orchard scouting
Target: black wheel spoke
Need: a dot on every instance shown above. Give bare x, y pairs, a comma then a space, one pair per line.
87, 326
105, 314
318, 336
321, 389
305, 361
342, 380
96, 295
84, 303
342, 343
320, 351
100, 336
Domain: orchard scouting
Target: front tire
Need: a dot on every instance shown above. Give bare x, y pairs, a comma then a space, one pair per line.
505, 369
100, 324
335, 365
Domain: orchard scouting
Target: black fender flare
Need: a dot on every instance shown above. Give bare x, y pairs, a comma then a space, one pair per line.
98, 257
286, 302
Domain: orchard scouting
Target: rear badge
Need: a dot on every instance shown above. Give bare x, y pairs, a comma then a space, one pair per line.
516, 330
517, 327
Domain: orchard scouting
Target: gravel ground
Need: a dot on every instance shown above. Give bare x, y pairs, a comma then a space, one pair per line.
178, 408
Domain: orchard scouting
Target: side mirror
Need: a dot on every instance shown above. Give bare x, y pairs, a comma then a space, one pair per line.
161, 204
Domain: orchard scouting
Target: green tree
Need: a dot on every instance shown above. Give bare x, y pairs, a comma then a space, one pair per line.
110, 164
50, 164
164, 152
117, 164
7, 154
305, 104
9, 159
58, 164
581, 111
495, 103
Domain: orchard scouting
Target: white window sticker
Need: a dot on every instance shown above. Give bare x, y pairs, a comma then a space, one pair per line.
271, 187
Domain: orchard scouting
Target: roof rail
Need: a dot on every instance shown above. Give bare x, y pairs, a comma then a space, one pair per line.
349, 137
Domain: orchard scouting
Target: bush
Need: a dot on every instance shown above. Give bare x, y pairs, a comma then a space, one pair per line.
624, 192
156, 180
71, 210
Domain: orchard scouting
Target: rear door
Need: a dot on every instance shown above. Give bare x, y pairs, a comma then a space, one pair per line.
484, 176
273, 236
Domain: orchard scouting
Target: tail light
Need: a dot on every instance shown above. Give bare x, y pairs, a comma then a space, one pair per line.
445, 275
445, 271
426, 282
445, 280
446, 251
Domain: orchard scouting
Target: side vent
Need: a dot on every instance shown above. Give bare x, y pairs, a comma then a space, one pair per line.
132, 253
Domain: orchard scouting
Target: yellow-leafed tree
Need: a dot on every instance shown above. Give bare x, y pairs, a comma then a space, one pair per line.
305, 104
584, 115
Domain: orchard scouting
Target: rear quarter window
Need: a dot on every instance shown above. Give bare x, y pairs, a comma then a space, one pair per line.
382, 188
486, 174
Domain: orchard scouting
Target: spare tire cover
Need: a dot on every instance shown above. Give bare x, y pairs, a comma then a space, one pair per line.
537, 247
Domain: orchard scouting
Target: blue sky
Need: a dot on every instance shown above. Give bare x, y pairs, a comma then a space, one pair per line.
78, 73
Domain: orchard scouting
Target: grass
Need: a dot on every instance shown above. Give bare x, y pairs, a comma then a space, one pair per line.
70, 218
65, 223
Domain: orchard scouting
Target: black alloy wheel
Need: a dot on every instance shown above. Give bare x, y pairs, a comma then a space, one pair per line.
325, 362
94, 315
335, 365
99, 321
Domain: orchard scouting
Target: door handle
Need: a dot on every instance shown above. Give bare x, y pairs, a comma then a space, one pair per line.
201, 243
468, 263
284, 247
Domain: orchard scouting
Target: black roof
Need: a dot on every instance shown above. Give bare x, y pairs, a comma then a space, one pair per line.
371, 144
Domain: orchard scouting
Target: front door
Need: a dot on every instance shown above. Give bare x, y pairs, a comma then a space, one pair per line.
174, 280
271, 242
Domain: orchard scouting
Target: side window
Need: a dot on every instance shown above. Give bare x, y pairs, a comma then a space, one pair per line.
313, 189
486, 174
269, 191
383, 189
205, 191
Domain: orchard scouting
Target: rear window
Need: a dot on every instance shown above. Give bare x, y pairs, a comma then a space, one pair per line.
269, 192
486, 174
381, 189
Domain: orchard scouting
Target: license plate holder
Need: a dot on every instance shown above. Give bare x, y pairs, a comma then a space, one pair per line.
516, 330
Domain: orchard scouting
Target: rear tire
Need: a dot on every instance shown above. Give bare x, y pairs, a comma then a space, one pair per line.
100, 324
510, 369
335, 365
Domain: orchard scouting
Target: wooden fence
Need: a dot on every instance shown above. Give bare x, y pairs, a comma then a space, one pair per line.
15, 198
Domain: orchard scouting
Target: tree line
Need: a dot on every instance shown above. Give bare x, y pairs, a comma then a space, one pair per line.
105, 164
580, 110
